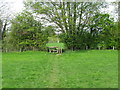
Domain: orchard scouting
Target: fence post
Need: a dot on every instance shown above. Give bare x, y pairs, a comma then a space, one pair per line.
99, 47
86, 47
113, 48
20, 49
6, 50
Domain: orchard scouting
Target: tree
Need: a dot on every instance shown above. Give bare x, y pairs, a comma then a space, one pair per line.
82, 24
0, 29
3, 19
6, 14
112, 36
72, 18
26, 33
100, 27
49, 30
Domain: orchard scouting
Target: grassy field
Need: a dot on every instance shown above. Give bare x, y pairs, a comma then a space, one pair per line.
72, 69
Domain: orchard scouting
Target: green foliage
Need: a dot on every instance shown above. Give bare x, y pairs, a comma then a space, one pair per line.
81, 23
53, 39
94, 36
26, 33
49, 31
110, 36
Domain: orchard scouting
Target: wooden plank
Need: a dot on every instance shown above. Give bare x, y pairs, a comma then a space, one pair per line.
55, 49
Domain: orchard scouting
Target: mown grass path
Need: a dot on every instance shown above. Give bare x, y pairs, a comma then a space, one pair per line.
54, 79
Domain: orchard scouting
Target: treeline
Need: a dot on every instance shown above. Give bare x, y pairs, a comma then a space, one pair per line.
26, 33
82, 25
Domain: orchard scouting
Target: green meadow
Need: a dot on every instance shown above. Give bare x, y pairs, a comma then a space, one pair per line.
71, 69
66, 44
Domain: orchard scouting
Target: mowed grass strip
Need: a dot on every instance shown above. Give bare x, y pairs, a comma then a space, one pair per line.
72, 69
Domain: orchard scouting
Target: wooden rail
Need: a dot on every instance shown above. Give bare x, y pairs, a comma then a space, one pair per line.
54, 49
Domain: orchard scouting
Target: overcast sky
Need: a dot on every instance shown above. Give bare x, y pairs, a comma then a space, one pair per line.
17, 6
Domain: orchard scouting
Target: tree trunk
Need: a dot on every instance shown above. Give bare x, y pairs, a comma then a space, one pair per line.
4, 30
1, 29
86, 47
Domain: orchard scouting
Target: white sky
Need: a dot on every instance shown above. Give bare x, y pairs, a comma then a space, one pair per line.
17, 6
